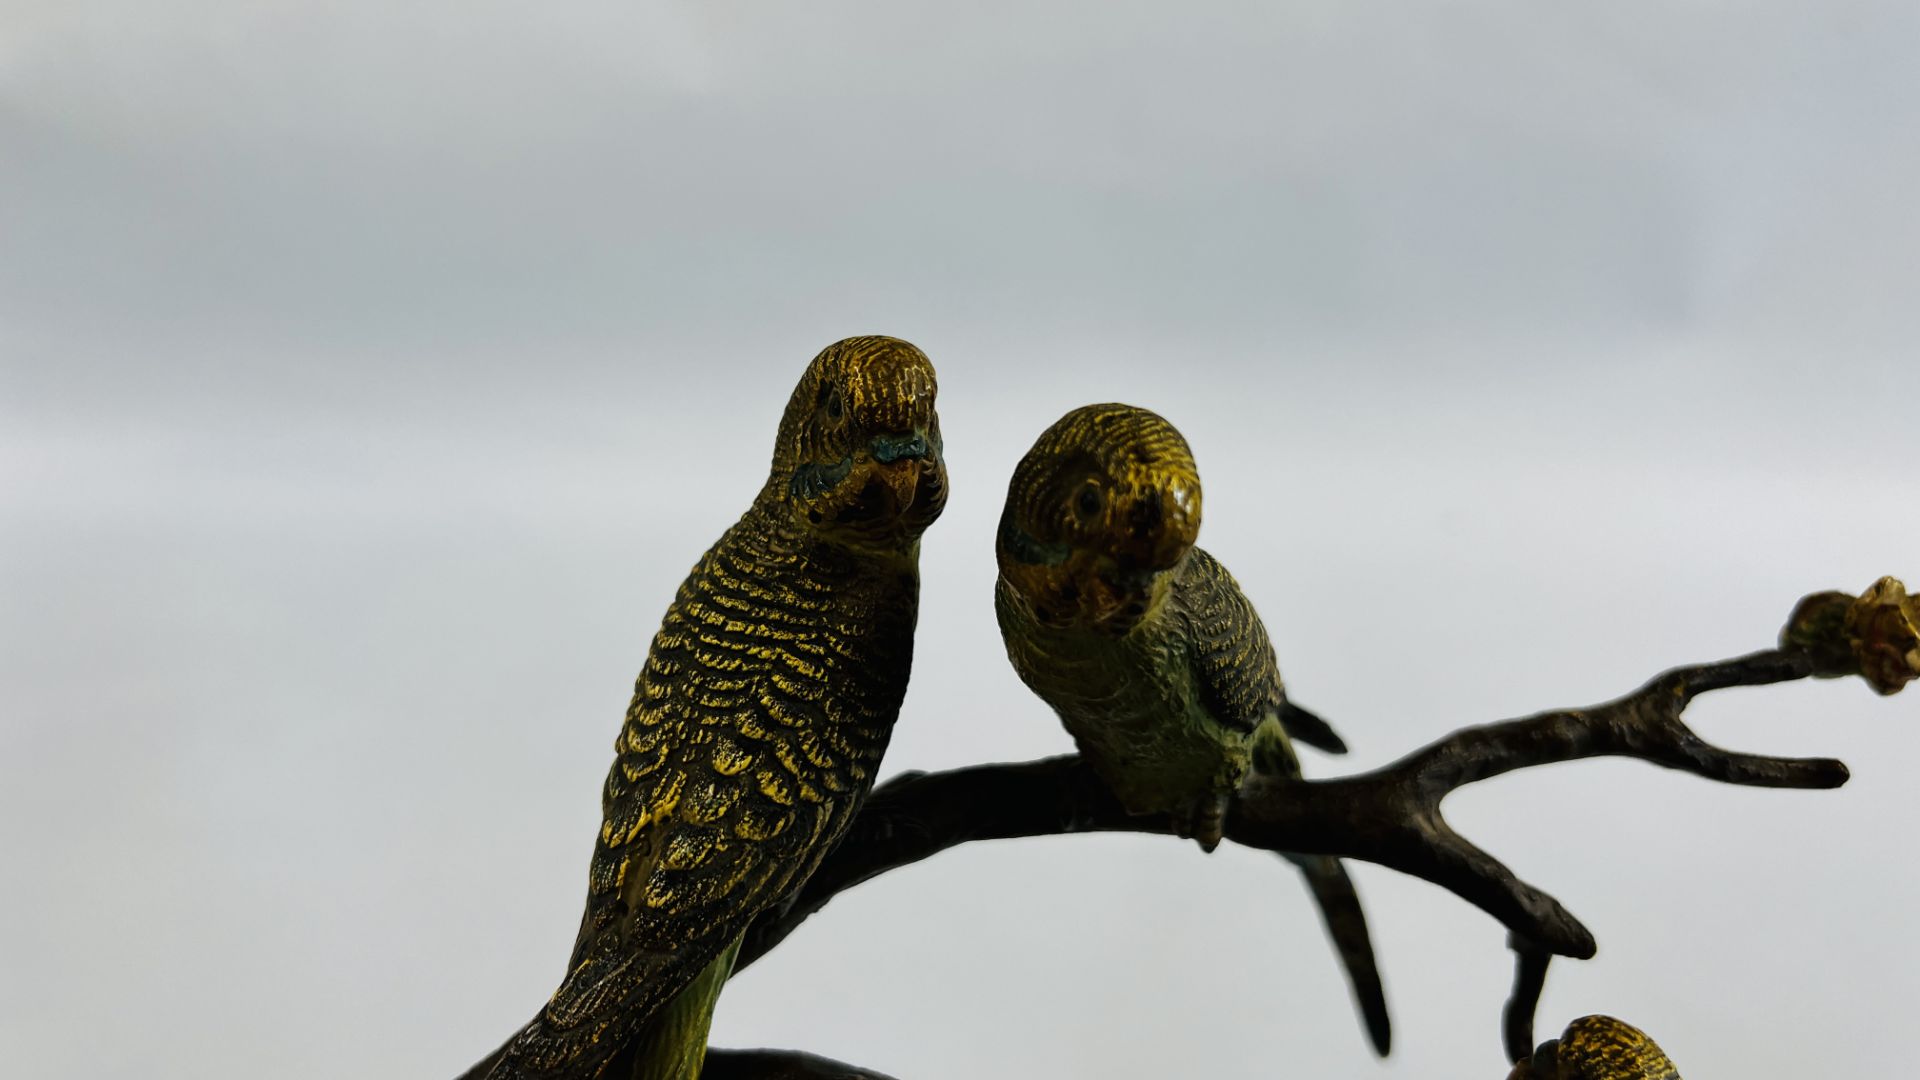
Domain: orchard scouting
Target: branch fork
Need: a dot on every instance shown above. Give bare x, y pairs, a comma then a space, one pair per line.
1392, 815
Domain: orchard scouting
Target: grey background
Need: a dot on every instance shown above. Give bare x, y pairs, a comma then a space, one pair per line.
371, 373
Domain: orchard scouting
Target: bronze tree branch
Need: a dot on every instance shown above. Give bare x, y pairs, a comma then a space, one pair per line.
1530, 963
1391, 815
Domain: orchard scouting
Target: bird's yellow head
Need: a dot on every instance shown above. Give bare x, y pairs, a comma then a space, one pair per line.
858, 461
1597, 1048
1106, 502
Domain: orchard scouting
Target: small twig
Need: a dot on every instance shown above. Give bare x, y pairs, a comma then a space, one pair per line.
1390, 816
1530, 963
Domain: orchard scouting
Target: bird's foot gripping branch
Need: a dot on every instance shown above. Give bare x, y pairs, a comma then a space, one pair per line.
1391, 815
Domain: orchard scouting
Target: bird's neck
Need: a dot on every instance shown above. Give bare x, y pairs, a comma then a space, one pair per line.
770, 528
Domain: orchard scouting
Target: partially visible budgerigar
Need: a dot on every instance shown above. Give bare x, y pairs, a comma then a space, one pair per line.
1148, 650
757, 723
1597, 1048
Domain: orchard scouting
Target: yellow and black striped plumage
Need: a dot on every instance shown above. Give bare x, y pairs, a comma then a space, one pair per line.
1597, 1048
1147, 648
757, 723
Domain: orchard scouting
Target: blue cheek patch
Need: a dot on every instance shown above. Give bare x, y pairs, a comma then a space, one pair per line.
1025, 549
814, 480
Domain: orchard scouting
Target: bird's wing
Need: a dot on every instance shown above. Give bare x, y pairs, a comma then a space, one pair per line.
702, 829
1233, 660
1239, 681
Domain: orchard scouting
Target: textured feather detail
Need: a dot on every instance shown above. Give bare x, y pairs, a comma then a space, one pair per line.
1147, 648
1239, 676
1598, 1048
757, 722
1603, 1048
756, 727
673, 1045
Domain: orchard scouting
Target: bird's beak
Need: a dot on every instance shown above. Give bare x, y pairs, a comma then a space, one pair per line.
902, 480
900, 460
1157, 527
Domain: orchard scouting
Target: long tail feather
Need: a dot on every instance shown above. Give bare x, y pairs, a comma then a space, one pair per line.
1346, 923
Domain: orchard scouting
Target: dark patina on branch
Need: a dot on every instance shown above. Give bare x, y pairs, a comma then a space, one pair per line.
1875, 635
1530, 962
1391, 815
725, 1064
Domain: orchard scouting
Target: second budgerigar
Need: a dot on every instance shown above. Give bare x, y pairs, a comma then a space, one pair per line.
1148, 650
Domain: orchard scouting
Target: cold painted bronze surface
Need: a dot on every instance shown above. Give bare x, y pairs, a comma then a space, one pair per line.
1597, 1048
1884, 628
861, 512
1389, 816
757, 722
1148, 650
1142, 643
1875, 635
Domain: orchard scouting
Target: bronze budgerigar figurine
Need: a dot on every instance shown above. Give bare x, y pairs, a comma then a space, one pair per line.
1148, 650
757, 723
1597, 1048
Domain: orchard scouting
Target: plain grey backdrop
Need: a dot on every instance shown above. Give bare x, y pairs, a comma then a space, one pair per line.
370, 374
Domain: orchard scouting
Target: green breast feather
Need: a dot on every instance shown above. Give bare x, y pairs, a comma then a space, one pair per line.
1175, 708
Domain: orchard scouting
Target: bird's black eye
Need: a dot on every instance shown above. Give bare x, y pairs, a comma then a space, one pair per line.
836, 406
1087, 502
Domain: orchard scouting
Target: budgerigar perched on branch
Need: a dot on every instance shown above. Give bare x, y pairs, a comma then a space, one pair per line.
757, 723
1148, 650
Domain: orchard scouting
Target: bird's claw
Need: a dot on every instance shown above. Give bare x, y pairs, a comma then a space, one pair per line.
1203, 820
